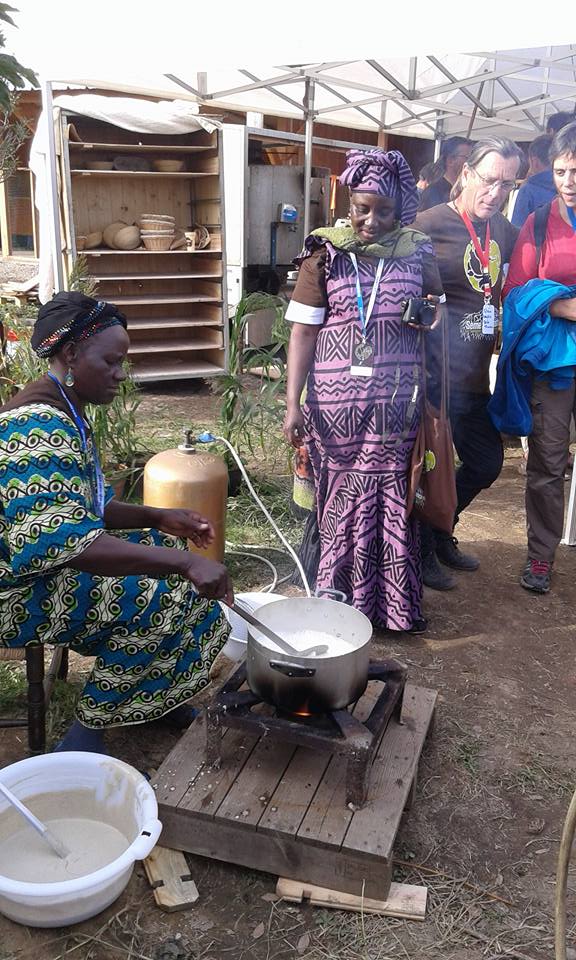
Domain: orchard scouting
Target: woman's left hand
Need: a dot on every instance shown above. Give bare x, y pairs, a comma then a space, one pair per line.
186, 523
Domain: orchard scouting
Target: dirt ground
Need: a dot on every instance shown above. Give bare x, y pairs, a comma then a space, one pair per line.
495, 782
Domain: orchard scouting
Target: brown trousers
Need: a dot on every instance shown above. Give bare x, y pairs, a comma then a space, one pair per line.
548, 448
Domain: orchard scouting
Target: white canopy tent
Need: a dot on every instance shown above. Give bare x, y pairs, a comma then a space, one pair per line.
367, 67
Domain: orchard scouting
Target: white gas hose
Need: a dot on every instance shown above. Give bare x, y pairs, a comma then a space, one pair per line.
207, 437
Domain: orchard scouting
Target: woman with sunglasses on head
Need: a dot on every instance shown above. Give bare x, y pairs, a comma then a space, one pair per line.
473, 243
546, 250
361, 364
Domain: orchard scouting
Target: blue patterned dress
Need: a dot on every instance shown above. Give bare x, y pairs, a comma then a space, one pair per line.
154, 640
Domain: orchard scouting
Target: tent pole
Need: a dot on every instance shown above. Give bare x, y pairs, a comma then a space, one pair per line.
438, 139
308, 146
52, 180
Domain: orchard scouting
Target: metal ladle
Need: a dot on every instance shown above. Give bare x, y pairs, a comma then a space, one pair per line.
53, 842
316, 651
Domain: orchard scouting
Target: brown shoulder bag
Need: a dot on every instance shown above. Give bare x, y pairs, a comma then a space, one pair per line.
431, 476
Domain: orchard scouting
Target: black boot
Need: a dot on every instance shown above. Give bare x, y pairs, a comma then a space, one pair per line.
448, 552
434, 576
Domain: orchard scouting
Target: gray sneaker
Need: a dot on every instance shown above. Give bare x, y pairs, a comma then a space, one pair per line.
434, 576
537, 575
449, 553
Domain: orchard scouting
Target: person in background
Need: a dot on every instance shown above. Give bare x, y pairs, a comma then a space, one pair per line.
106, 579
473, 242
558, 120
539, 187
426, 177
552, 409
362, 364
453, 154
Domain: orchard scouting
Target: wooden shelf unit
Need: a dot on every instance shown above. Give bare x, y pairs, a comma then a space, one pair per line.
174, 300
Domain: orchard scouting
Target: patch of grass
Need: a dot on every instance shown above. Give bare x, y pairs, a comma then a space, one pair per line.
467, 754
60, 712
12, 686
247, 524
538, 775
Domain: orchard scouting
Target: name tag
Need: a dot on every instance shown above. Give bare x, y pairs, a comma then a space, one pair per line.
488, 318
360, 371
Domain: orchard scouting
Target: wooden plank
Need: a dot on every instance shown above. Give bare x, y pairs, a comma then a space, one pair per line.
188, 298
290, 801
141, 174
182, 765
404, 901
138, 147
170, 346
157, 323
209, 789
172, 371
152, 253
169, 875
280, 855
251, 791
327, 818
160, 276
374, 827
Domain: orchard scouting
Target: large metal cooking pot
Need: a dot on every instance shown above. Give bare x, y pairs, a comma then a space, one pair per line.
310, 684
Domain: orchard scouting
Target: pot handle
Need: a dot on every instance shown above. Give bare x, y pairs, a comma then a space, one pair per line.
291, 669
331, 594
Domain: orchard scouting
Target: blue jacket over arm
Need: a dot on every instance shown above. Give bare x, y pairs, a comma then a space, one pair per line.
534, 344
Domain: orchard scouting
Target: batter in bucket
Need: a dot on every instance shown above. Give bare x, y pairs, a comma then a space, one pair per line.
93, 844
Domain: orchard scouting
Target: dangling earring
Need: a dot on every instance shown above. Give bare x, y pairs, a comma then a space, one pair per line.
69, 378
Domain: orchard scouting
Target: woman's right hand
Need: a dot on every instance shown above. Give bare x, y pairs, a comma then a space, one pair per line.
294, 427
210, 579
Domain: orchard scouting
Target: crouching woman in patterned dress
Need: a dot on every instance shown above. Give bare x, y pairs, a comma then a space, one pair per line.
137, 601
363, 369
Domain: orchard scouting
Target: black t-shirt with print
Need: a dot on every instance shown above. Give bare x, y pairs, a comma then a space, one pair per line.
461, 273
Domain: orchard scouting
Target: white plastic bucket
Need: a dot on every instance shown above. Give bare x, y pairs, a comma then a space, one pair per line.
235, 647
121, 796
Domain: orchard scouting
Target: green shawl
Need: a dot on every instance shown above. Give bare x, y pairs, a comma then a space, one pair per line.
399, 242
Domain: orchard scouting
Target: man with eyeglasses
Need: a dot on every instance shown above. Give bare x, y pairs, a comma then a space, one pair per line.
473, 242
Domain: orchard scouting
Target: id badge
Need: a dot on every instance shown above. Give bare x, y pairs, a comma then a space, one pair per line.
361, 365
488, 319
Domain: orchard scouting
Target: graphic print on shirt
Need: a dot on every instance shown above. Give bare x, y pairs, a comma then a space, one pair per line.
471, 323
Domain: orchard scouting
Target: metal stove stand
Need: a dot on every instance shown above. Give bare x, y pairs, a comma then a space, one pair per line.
336, 732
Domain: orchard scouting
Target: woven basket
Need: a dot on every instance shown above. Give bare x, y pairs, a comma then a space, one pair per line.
158, 242
156, 226
158, 216
202, 234
168, 166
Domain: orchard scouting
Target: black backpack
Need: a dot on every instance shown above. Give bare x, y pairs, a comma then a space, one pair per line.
541, 215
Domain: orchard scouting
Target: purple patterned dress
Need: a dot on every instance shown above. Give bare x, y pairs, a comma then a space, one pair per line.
360, 433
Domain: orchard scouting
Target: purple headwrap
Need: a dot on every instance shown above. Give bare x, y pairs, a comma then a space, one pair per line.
384, 172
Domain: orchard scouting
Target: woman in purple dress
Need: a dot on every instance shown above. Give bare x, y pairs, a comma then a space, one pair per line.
362, 367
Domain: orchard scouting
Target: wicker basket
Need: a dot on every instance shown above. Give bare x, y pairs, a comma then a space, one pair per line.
158, 216
168, 166
155, 226
159, 241
202, 236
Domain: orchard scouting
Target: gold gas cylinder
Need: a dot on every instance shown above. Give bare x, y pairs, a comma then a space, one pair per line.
193, 479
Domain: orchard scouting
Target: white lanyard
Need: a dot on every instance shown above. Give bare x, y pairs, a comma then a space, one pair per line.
365, 317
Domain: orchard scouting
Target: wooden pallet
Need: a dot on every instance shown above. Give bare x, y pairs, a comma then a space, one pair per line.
280, 808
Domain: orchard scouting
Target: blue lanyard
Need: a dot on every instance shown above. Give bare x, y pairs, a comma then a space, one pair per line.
90, 453
572, 216
365, 316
